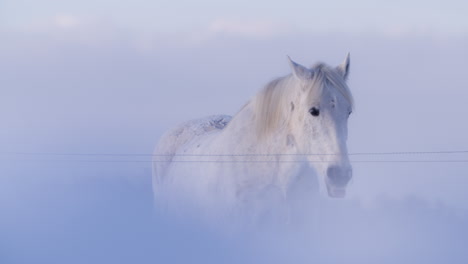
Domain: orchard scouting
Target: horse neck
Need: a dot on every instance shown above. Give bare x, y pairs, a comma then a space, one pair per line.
242, 129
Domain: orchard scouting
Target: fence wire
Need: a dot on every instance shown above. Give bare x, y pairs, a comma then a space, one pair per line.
369, 157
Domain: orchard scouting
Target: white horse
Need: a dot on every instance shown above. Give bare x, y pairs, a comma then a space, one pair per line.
296, 120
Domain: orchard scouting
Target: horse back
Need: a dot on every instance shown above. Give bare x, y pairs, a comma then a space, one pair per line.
175, 140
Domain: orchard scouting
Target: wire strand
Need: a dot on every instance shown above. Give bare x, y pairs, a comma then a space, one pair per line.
245, 161
232, 155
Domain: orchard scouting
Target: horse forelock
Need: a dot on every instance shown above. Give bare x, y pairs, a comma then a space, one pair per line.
324, 77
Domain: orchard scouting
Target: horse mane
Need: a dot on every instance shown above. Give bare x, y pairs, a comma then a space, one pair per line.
272, 105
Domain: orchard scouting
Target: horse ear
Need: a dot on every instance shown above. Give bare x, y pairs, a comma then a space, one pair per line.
299, 71
343, 68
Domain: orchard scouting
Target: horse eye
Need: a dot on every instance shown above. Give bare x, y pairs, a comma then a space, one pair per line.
350, 113
314, 111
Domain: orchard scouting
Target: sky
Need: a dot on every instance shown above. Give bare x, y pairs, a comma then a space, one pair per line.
106, 77
360, 16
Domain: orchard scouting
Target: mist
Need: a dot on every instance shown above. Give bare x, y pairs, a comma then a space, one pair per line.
117, 92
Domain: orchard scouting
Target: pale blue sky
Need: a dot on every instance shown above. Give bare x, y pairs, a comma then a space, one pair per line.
360, 16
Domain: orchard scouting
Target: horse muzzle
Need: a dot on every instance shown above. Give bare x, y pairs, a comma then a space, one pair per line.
337, 180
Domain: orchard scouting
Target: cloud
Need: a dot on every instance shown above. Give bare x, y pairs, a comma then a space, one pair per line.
247, 28
66, 21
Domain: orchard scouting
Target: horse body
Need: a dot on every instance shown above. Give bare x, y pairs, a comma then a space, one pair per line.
230, 162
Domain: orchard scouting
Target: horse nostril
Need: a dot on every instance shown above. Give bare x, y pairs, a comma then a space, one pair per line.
338, 175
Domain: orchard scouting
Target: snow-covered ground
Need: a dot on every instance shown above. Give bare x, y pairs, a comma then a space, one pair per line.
96, 214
